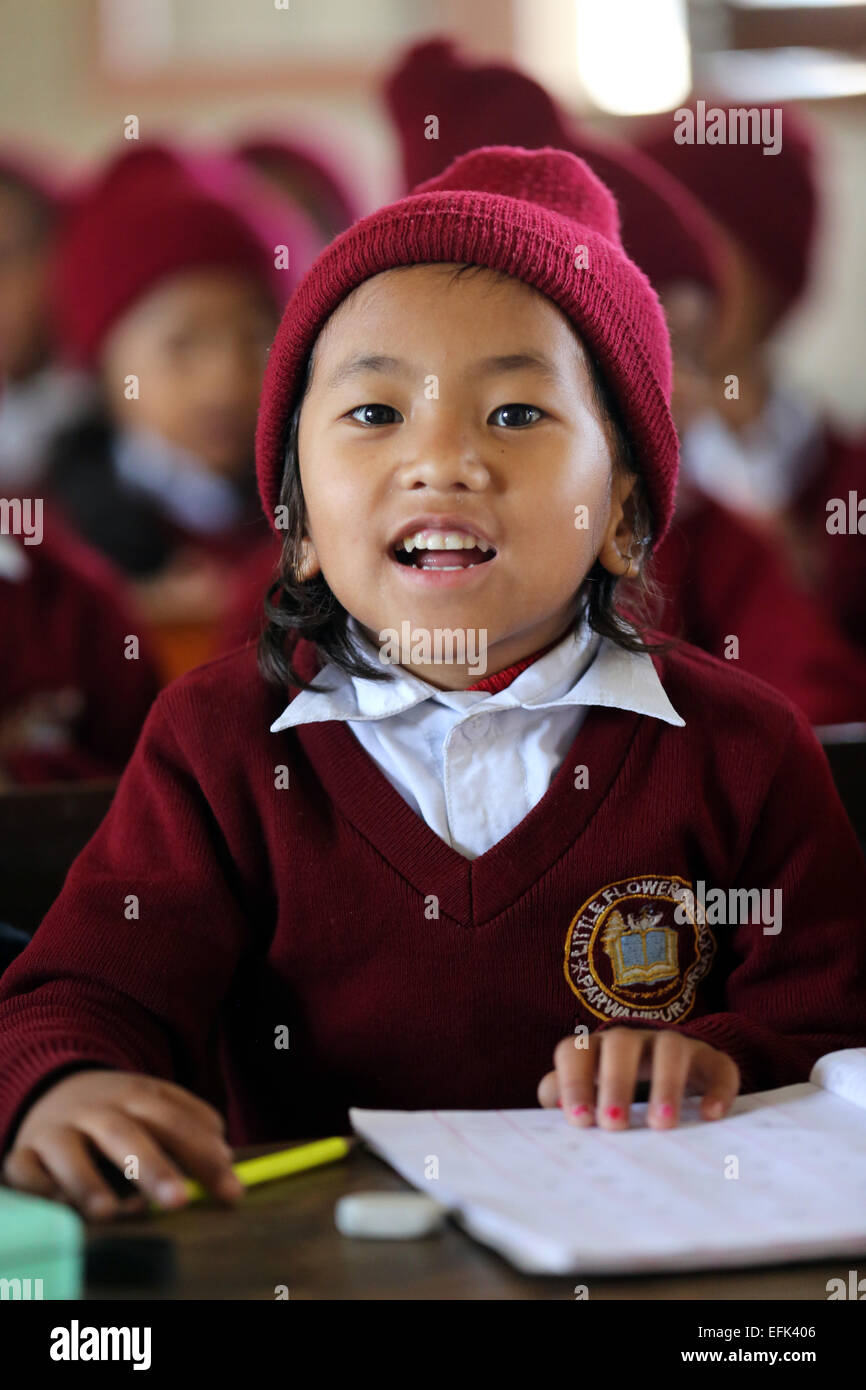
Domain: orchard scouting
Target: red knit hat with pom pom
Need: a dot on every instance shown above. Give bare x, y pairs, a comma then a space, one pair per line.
541, 216
664, 228
147, 215
768, 204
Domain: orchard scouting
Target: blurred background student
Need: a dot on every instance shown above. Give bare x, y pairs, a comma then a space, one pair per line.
761, 447
37, 395
169, 295
77, 677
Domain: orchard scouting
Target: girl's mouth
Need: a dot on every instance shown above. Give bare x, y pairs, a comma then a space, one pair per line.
443, 550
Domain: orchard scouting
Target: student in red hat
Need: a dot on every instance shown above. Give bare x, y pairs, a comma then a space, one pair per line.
167, 292
760, 448
453, 832
726, 584
38, 396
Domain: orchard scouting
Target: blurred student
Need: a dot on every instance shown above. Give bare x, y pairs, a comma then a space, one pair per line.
38, 396
168, 294
76, 675
718, 575
759, 447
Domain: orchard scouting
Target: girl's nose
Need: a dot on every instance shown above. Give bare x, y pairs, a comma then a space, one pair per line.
442, 456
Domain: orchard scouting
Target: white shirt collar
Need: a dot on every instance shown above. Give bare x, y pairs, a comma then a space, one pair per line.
193, 496
14, 564
582, 669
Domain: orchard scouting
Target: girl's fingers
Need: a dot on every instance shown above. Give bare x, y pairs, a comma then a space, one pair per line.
718, 1076
25, 1170
121, 1138
172, 1106
621, 1050
67, 1159
672, 1059
575, 1078
203, 1155
548, 1091
618, 1057
194, 1132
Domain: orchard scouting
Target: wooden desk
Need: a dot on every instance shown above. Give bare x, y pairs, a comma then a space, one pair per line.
284, 1233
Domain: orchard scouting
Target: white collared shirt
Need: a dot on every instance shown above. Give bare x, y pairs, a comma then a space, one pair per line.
761, 469
189, 493
470, 762
31, 413
14, 565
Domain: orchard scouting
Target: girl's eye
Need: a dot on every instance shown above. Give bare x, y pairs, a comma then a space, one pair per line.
367, 414
516, 416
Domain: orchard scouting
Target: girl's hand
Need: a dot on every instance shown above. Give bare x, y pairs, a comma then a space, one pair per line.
616, 1058
120, 1116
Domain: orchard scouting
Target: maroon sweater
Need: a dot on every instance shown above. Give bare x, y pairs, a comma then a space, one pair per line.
313, 908
64, 627
721, 575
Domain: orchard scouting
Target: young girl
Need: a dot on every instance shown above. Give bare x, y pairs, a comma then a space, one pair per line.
473, 883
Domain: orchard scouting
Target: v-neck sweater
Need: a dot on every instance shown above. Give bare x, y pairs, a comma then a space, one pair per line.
262, 918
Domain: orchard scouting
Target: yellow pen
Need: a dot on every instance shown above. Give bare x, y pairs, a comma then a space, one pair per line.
267, 1167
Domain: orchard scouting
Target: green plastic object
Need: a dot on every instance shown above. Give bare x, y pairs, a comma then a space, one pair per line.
41, 1248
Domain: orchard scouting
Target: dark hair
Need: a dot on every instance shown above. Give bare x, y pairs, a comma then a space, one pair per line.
40, 211
309, 609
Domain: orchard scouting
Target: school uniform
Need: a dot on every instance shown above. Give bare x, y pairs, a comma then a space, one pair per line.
287, 884
139, 500
790, 463
722, 577
65, 630
839, 558
32, 413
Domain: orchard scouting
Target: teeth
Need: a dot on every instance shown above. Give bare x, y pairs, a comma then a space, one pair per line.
442, 540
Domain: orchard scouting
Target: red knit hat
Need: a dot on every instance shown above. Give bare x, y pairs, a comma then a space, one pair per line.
664, 228
144, 218
527, 214
767, 202
330, 197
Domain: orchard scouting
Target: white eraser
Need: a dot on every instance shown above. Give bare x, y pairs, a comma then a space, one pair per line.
388, 1215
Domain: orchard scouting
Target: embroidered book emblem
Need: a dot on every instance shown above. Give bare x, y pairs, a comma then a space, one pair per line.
626, 956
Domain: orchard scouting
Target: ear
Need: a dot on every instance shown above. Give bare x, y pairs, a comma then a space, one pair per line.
307, 565
618, 552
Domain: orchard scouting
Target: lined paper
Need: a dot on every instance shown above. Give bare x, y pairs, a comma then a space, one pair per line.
782, 1177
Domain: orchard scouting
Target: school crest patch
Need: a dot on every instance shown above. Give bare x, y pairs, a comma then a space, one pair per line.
638, 948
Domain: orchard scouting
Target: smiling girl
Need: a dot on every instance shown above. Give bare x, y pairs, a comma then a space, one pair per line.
328, 880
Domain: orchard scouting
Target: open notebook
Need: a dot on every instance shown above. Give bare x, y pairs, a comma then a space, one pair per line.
554, 1199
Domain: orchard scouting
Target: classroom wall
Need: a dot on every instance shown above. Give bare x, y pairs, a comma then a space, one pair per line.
53, 93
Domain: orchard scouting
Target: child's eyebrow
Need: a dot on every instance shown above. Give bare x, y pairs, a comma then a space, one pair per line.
487, 366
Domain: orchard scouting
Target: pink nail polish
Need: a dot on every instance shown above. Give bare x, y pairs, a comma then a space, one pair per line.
666, 1110
614, 1112
578, 1110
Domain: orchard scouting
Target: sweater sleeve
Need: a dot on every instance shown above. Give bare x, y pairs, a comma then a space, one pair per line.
130, 966
794, 995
